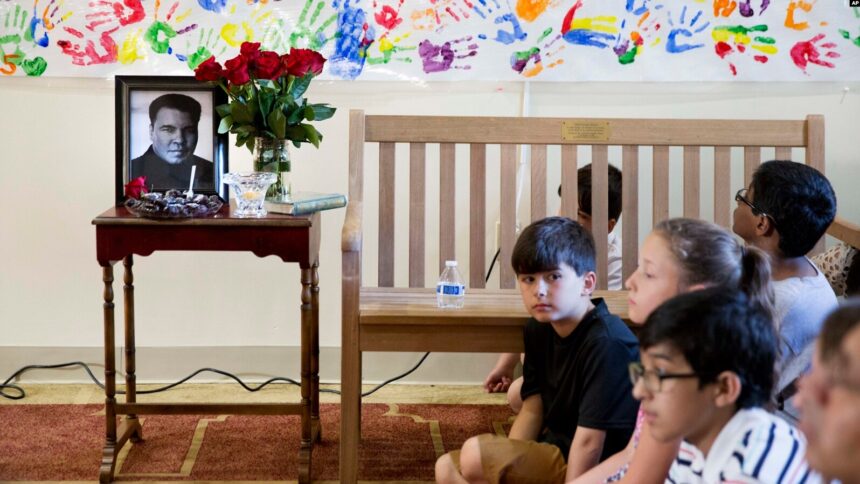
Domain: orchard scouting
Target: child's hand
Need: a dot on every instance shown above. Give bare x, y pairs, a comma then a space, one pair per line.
498, 381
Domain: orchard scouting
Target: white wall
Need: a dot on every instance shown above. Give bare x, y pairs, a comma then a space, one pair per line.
57, 173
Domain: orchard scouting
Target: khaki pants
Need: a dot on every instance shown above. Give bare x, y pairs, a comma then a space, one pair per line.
518, 461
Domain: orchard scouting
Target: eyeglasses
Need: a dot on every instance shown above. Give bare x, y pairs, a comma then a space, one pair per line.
653, 379
741, 196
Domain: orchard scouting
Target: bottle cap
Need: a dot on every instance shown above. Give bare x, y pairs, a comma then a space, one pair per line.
450, 263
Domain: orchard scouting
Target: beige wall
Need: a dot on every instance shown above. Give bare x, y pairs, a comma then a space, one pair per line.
57, 173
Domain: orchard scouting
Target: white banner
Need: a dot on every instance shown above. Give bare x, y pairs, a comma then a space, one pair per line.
425, 40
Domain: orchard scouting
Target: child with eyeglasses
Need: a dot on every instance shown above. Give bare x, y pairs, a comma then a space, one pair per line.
785, 211
680, 255
705, 376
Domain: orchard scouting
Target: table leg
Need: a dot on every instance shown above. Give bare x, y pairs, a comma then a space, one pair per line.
316, 426
110, 449
306, 448
130, 366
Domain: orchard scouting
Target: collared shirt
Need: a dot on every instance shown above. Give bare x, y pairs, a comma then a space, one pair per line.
753, 447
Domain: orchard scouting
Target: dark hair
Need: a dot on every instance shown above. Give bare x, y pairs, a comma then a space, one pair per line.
180, 102
799, 199
717, 330
709, 255
837, 325
583, 186
547, 243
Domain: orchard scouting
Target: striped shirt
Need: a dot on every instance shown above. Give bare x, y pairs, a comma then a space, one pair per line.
753, 447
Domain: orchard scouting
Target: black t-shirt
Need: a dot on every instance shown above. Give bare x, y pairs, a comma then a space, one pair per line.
161, 175
582, 379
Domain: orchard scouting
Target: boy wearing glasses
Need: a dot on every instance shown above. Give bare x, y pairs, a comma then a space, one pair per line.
577, 404
785, 211
829, 397
706, 372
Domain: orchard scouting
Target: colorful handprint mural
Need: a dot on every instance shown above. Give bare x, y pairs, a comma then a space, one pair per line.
420, 40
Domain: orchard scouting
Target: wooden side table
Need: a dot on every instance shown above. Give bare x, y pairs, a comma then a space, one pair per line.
120, 235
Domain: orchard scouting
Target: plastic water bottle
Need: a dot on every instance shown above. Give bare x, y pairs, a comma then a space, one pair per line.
450, 290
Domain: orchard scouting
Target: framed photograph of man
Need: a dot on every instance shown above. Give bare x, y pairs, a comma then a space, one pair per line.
167, 129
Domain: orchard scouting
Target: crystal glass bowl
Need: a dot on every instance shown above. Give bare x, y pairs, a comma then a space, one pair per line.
249, 190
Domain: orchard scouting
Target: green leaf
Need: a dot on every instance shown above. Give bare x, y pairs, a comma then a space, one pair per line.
225, 124
309, 113
300, 86
242, 114
295, 133
312, 134
277, 123
223, 110
322, 111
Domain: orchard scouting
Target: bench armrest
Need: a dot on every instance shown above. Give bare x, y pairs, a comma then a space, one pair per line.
350, 236
845, 231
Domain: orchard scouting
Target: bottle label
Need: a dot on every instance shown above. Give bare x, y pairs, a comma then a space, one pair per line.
451, 289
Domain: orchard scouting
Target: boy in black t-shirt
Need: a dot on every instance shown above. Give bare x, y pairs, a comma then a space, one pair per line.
577, 401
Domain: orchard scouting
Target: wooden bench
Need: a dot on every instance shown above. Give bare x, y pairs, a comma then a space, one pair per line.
391, 307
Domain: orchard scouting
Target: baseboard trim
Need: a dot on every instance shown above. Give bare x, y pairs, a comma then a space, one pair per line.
250, 363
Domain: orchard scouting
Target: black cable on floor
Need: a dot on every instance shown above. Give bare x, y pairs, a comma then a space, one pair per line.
6, 386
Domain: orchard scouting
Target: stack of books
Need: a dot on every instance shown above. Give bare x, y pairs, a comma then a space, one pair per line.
303, 203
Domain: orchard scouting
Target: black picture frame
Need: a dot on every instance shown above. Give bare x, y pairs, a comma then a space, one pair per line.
134, 94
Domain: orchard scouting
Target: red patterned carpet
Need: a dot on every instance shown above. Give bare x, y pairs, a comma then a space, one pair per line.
400, 442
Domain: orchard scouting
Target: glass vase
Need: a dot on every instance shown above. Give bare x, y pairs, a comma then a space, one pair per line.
273, 155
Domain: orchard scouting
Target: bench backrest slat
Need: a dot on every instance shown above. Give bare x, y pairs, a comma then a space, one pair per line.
417, 193
477, 214
386, 214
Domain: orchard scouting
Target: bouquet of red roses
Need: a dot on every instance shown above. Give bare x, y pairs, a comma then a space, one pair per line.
266, 92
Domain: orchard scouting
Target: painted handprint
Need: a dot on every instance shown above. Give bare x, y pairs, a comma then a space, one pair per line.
13, 34
530, 10
350, 48
132, 48
274, 30
445, 56
310, 32
531, 62
736, 39
209, 43
674, 45
390, 49
161, 32
216, 6
793, 12
440, 13
43, 23
485, 7
83, 50
643, 24
590, 31
107, 15
809, 51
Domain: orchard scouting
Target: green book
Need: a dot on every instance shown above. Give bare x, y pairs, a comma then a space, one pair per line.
303, 203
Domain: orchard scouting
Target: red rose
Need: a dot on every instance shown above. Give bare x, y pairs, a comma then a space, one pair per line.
303, 61
250, 50
268, 66
136, 187
209, 70
236, 70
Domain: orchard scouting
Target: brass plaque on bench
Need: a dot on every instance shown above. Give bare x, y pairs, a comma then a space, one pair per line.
585, 130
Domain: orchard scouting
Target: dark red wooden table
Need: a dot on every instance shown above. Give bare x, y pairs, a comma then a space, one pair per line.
120, 235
